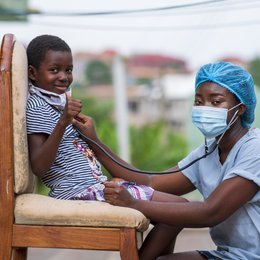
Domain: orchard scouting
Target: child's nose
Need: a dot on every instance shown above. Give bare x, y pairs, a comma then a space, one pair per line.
63, 76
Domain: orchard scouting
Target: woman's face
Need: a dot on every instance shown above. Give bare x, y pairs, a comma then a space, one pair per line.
213, 95
54, 73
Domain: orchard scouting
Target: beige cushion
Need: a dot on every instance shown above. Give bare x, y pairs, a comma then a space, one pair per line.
42, 210
24, 179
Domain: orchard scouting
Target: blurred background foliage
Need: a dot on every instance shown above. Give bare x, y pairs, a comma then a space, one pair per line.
254, 68
152, 147
98, 72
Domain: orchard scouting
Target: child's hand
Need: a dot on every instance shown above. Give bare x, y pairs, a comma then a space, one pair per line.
71, 110
117, 195
86, 125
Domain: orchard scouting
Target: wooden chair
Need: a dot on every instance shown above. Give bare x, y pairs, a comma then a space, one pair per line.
32, 220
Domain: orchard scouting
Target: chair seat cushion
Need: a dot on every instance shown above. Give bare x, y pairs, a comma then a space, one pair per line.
43, 210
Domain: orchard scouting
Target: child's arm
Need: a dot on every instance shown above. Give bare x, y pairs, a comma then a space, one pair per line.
43, 147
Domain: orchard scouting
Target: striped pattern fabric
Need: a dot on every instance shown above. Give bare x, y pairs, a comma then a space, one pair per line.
71, 172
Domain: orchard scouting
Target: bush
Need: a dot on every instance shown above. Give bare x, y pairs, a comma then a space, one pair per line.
156, 147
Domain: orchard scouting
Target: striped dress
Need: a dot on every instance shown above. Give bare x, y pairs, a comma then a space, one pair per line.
71, 172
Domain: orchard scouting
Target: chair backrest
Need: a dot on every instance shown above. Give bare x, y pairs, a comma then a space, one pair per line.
14, 91
24, 180
6, 143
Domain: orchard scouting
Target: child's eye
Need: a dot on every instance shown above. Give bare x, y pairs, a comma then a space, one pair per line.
54, 70
69, 70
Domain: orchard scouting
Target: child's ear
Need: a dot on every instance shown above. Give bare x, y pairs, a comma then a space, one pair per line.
31, 72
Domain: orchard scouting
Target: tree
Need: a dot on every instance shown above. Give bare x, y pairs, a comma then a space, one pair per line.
254, 69
156, 147
98, 72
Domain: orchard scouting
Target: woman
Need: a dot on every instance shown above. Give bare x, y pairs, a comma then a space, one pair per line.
228, 177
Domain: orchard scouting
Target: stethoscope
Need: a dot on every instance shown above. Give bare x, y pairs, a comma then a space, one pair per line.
207, 152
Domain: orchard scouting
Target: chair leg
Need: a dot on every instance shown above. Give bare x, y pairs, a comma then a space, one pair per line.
128, 244
19, 254
6, 237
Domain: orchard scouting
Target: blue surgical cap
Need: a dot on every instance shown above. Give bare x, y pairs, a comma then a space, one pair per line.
234, 78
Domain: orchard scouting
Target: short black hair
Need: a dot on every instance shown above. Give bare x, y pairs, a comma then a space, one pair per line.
40, 45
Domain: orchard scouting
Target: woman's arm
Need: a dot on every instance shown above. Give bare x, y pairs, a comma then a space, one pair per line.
221, 204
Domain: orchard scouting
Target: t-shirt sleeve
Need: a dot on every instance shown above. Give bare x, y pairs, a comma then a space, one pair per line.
38, 120
247, 164
247, 167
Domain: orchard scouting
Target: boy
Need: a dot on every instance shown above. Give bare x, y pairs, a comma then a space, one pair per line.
58, 154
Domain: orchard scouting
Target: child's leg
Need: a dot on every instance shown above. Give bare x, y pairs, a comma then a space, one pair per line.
194, 255
161, 239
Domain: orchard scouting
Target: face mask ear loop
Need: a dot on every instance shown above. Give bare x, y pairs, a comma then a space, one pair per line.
235, 106
206, 147
231, 122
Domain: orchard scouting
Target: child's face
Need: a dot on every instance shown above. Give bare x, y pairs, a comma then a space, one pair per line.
54, 73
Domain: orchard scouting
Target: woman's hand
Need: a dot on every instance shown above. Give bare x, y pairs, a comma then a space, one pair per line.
117, 195
86, 125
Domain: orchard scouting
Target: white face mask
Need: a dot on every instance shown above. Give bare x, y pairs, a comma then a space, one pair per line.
212, 121
54, 99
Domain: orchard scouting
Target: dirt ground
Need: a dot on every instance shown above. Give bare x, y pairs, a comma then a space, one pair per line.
189, 239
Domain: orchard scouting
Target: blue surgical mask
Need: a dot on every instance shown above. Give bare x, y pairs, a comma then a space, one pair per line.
212, 121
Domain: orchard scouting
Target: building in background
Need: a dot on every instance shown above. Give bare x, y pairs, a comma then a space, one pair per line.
158, 87
143, 68
167, 98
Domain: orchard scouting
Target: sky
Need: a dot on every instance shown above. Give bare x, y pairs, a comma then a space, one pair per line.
197, 34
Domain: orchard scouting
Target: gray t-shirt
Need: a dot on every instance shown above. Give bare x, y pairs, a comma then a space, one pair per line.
238, 237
